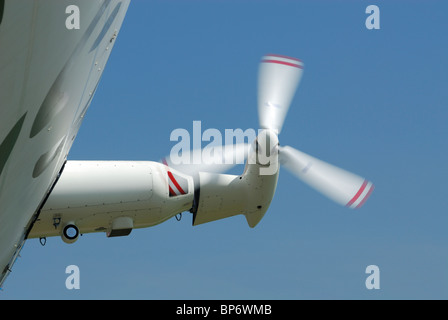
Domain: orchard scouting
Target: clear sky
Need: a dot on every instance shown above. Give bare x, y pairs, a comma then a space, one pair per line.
374, 102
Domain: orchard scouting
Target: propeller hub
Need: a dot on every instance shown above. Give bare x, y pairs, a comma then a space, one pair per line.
267, 143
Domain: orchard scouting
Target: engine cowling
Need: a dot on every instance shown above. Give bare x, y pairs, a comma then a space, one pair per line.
114, 197
219, 196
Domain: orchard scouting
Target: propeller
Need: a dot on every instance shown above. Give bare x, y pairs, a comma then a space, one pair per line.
341, 186
278, 79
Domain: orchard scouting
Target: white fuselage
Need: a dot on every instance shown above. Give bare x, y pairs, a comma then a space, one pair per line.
48, 76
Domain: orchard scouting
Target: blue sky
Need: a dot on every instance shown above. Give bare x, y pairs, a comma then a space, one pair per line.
373, 102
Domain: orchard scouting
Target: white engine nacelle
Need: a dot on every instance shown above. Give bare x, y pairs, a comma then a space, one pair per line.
112, 197
117, 196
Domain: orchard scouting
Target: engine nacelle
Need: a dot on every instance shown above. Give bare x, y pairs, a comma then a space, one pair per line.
114, 197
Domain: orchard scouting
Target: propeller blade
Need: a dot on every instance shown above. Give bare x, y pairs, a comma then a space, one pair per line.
343, 187
215, 159
278, 79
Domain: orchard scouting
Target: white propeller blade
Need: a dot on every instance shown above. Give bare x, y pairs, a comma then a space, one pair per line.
342, 186
216, 159
278, 79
